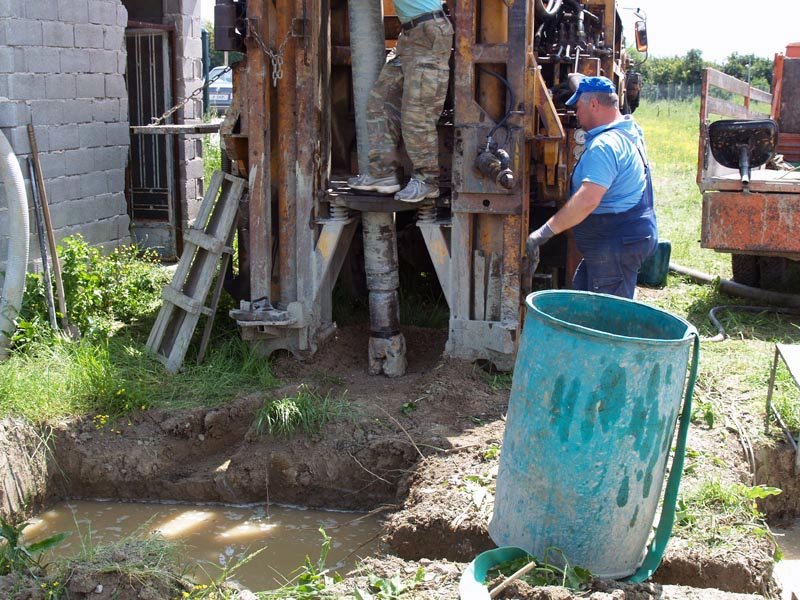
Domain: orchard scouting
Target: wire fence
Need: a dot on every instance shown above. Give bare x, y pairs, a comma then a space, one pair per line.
670, 91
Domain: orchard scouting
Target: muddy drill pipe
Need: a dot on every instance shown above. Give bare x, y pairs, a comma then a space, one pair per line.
387, 346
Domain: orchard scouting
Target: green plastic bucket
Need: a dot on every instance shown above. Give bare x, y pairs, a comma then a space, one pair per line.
596, 394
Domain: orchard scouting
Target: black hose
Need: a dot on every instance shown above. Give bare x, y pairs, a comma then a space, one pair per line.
549, 11
787, 304
722, 335
502, 122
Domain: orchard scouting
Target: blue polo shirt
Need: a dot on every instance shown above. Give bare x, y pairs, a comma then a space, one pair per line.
408, 9
611, 160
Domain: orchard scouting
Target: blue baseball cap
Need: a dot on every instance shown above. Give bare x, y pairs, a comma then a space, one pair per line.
602, 85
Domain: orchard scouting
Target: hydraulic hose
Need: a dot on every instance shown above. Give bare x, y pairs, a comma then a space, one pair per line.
18, 241
784, 304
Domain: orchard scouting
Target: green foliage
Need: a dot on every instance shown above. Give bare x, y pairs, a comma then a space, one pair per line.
117, 375
722, 513
749, 67
688, 69
389, 588
545, 572
307, 411
704, 412
492, 452
99, 291
18, 557
212, 158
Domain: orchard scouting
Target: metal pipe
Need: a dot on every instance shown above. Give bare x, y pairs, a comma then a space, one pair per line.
387, 346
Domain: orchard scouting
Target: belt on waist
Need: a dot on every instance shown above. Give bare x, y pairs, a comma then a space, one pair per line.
422, 18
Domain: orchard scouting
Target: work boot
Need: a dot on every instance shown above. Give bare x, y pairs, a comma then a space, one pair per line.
365, 182
417, 190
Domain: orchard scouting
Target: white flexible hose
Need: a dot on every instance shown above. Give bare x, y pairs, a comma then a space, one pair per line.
18, 240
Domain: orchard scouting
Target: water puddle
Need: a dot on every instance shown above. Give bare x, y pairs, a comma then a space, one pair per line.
219, 536
787, 571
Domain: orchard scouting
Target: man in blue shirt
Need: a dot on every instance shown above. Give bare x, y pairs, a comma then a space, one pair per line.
611, 206
407, 100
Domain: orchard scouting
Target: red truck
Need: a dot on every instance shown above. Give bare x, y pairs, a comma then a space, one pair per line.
754, 215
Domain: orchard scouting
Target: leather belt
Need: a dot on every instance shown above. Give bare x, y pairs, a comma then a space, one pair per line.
422, 18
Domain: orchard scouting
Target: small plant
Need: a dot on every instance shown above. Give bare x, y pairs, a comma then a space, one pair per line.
545, 572
719, 513
389, 588
492, 452
18, 557
407, 408
308, 411
311, 581
704, 412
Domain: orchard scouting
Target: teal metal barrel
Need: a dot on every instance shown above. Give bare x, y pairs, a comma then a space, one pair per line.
596, 395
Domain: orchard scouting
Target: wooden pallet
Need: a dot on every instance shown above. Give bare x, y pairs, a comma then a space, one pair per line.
205, 244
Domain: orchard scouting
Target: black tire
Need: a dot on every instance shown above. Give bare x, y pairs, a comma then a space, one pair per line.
745, 269
779, 274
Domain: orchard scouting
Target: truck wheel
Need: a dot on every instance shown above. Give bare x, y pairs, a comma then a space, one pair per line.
745, 269
779, 273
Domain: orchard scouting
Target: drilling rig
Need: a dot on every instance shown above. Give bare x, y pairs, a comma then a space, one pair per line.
507, 147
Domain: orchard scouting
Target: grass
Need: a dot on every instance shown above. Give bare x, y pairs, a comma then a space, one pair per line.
720, 514
307, 411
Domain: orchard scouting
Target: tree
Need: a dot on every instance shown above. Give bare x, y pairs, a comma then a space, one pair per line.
749, 67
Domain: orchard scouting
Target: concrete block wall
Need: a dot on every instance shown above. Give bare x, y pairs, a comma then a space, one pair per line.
184, 15
62, 68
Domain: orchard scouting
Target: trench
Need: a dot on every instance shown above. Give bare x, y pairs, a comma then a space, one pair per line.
214, 538
209, 455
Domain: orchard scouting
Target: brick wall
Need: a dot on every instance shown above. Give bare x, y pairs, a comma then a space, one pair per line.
62, 65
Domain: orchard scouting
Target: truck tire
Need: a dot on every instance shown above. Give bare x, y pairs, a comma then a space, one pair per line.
745, 269
779, 274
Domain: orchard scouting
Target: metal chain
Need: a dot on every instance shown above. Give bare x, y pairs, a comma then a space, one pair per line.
194, 94
275, 57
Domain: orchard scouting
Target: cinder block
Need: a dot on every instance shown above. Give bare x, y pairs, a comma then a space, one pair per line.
118, 134
53, 163
105, 110
116, 180
22, 32
115, 86
103, 61
47, 112
73, 11
41, 11
102, 12
12, 8
13, 114
78, 162
114, 37
122, 16
91, 85
123, 109
63, 189
77, 111
194, 168
88, 35
12, 60
93, 135
120, 156
18, 138
63, 137
60, 86
94, 184
74, 61
26, 86
40, 59
55, 33
122, 61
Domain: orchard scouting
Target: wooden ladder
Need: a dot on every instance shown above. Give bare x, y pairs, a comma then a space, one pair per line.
206, 244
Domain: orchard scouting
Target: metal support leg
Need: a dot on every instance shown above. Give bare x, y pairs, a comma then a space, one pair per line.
769, 390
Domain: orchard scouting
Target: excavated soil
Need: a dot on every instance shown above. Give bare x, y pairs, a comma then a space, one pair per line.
407, 450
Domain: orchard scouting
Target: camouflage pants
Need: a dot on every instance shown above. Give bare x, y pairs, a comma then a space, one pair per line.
408, 98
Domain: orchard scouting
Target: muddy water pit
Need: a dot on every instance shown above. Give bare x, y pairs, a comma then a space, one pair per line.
408, 450
217, 537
